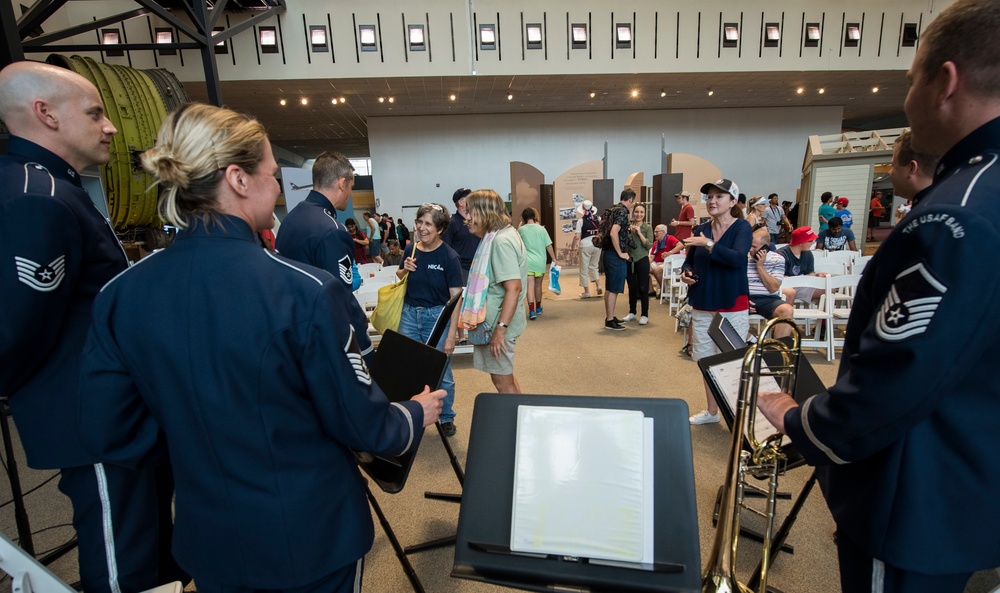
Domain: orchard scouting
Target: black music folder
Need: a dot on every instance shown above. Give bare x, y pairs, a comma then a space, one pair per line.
401, 367
482, 550
720, 367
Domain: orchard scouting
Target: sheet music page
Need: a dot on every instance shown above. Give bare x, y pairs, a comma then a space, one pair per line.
580, 484
727, 379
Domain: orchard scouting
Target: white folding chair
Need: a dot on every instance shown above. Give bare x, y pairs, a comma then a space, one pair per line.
673, 288
386, 274
832, 267
860, 264
841, 297
368, 270
814, 317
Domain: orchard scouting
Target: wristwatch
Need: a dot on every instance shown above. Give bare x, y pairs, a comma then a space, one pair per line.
709, 243
502, 324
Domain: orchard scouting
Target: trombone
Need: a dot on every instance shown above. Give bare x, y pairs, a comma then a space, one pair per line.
761, 459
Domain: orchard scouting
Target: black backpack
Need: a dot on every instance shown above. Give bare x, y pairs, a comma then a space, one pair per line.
602, 238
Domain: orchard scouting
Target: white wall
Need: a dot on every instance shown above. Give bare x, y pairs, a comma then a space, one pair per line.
760, 149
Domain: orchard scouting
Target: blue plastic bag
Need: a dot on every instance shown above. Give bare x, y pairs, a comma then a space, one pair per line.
554, 271
355, 276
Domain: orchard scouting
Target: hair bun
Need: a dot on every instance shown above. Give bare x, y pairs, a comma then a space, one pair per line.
162, 164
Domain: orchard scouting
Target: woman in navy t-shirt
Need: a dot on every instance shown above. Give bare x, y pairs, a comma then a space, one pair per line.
435, 275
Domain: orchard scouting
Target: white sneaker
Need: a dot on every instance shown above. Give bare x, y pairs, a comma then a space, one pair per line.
643, 320
629, 317
703, 417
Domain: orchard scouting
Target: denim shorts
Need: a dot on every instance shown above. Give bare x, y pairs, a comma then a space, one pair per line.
615, 271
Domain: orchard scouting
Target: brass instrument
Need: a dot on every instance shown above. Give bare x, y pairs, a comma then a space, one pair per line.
764, 459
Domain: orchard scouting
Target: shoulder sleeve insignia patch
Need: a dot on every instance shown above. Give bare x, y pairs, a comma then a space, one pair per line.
910, 305
41, 277
353, 352
344, 268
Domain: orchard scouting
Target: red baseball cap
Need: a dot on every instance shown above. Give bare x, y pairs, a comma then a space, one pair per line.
801, 235
843, 201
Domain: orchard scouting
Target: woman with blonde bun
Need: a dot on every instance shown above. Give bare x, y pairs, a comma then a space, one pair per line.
245, 366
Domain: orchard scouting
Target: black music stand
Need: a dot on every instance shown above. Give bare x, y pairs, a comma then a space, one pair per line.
807, 384
23, 525
440, 326
401, 367
484, 525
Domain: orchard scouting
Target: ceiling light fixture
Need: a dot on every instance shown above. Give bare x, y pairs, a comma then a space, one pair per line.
343, 100
623, 35
333, 100
772, 34
635, 93
800, 90
452, 97
533, 35
592, 95
731, 35
579, 36
283, 102
392, 99
813, 34
874, 89
366, 36
663, 93
821, 91
710, 92
416, 37
510, 97
381, 99
304, 101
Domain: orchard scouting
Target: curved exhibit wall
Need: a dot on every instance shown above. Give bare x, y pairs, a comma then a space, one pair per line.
417, 159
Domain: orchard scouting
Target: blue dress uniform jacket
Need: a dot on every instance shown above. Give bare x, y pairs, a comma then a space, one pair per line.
312, 235
248, 364
56, 252
907, 435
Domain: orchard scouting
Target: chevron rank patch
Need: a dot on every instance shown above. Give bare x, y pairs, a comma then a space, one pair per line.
344, 267
353, 352
41, 277
910, 305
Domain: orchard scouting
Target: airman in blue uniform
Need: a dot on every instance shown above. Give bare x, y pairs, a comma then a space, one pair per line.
905, 441
249, 373
56, 252
311, 233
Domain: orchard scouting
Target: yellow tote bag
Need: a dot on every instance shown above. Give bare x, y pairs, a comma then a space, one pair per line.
390, 303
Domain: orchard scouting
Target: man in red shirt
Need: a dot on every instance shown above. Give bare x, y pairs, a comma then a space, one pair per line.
686, 220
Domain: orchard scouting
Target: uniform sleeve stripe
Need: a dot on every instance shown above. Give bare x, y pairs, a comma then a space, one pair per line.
812, 437
975, 179
299, 270
409, 422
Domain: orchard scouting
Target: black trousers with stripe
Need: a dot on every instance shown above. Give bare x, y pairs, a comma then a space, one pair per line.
860, 573
123, 525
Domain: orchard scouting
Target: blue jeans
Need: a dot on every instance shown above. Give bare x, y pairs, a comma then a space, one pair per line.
418, 323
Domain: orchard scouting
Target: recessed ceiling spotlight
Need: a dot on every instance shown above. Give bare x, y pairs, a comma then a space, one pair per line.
635, 93
710, 92
343, 100
800, 90
663, 93
304, 101
334, 101
452, 97
283, 102
510, 97
874, 89
592, 95
392, 99
381, 99
821, 91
